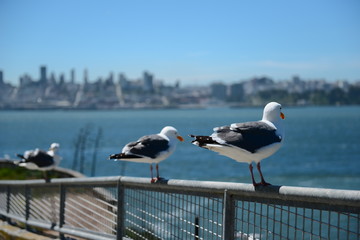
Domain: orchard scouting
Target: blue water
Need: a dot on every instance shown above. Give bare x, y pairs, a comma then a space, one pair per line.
321, 149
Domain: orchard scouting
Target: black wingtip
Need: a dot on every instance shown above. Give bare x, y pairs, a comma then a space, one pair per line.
201, 141
119, 156
114, 156
194, 141
20, 156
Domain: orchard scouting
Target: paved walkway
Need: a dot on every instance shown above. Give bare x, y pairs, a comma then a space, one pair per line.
10, 232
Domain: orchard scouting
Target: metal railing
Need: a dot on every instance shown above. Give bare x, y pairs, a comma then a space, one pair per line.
134, 208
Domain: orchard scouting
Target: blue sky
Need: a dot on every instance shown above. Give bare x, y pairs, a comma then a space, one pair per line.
191, 41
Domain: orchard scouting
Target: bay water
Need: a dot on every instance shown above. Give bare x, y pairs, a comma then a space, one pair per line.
321, 146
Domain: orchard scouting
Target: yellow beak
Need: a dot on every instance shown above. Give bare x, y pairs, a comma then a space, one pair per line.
282, 115
181, 139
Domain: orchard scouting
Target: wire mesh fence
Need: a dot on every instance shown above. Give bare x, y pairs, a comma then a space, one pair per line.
271, 221
134, 208
164, 215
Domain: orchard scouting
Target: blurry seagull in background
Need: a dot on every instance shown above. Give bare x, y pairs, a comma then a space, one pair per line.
151, 149
40, 160
250, 141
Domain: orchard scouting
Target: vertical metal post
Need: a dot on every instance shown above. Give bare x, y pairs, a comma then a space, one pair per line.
27, 205
8, 194
228, 216
62, 209
120, 226
197, 227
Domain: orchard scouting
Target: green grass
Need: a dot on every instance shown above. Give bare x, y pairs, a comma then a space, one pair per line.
21, 173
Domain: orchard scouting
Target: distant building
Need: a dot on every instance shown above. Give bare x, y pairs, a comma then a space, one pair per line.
148, 85
236, 92
52, 79
177, 84
342, 84
86, 79
110, 80
1, 78
72, 76
295, 85
219, 91
43, 78
256, 85
62, 79
25, 80
123, 81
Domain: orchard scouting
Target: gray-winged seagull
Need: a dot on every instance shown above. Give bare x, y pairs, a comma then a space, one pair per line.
250, 141
151, 149
40, 160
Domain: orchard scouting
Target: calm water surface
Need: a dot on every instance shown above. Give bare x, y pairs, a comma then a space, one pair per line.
321, 149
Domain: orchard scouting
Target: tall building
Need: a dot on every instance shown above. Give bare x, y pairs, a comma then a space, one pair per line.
124, 83
25, 80
236, 93
219, 91
43, 77
148, 85
110, 80
62, 79
1, 78
86, 79
52, 79
72, 76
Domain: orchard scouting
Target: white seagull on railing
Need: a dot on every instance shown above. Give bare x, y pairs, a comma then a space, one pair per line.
250, 141
151, 149
40, 160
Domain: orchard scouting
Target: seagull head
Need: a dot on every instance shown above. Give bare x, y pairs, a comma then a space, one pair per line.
272, 112
54, 147
171, 132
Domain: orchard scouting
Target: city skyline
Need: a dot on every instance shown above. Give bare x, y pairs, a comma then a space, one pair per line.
44, 74
194, 42
119, 92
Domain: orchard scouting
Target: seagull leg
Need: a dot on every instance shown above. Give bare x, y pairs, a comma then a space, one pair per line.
157, 171
46, 176
252, 175
263, 182
151, 173
158, 178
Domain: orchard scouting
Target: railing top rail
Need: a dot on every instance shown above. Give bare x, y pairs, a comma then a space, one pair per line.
304, 194
65, 181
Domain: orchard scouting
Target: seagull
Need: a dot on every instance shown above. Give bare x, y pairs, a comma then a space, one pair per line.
151, 149
41, 160
250, 141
